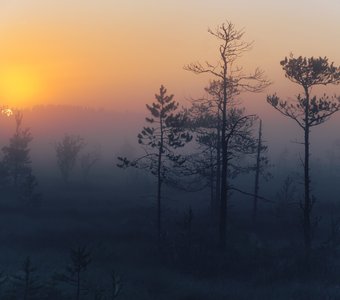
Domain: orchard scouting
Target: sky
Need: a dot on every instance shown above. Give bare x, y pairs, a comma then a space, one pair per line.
116, 53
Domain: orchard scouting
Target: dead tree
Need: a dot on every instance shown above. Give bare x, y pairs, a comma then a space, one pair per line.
260, 169
232, 79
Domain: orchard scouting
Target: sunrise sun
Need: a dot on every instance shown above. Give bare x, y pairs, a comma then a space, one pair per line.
19, 86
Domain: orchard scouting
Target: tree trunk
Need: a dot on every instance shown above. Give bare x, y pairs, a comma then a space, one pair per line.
307, 207
257, 174
159, 186
159, 217
307, 201
212, 191
223, 192
218, 165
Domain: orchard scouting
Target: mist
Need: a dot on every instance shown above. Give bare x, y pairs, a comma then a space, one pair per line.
141, 160
112, 210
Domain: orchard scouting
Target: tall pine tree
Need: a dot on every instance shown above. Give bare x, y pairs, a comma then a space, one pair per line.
159, 140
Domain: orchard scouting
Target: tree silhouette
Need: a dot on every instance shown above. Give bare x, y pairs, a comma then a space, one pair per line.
205, 123
28, 282
260, 166
203, 165
159, 141
206, 164
307, 112
67, 151
233, 81
16, 158
80, 259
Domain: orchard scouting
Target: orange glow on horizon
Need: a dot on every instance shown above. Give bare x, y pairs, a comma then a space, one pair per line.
19, 86
116, 54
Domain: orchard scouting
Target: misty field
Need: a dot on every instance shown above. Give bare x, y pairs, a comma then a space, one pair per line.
117, 224
140, 161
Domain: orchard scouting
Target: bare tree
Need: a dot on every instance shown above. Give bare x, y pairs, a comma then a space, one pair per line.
307, 112
260, 167
233, 81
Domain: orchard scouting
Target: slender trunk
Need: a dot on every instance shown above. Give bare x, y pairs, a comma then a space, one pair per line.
307, 207
257, 174
159, 189
159, 186
218, 164
224, 185
307, 203
212, 194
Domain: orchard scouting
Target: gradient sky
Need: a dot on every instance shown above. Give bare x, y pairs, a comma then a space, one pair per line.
116, 53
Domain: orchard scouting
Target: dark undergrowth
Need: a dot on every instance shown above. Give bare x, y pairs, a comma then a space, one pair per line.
125, 262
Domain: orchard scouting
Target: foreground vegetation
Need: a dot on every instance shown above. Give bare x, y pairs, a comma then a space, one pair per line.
116, 230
